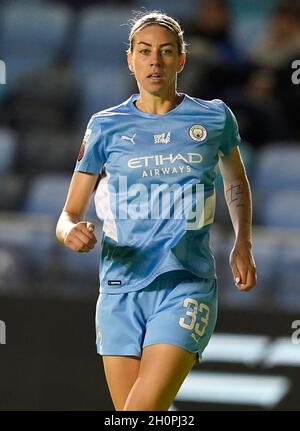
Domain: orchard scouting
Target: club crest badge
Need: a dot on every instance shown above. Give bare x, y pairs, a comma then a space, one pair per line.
198, 133
83, 145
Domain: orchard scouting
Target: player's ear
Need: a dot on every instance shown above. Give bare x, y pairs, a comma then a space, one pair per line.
181, 62
129, 61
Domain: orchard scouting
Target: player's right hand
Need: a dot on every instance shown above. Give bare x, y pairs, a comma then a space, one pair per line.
80, 237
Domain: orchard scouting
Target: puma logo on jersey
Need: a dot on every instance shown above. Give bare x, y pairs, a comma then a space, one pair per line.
128, 138
163, 138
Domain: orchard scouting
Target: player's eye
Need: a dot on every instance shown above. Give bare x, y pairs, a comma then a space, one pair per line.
167, 51
145, 51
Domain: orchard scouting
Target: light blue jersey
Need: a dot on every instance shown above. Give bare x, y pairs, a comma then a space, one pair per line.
156, 196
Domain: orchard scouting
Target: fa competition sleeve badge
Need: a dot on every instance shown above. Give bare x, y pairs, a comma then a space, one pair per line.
83, 144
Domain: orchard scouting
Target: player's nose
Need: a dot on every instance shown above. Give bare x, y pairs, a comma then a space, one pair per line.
155, 59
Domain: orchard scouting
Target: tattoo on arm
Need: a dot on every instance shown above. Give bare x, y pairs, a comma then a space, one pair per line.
235, 194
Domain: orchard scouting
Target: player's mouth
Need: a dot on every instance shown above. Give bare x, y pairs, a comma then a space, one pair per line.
155, 77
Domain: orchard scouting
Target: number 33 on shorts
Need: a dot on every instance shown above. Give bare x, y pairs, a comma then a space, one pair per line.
189, 321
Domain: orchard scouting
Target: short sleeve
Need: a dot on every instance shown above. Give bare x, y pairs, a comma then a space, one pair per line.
91, 155
230, 137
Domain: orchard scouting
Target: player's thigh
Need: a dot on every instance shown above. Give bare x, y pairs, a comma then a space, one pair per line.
121, 373
162, 371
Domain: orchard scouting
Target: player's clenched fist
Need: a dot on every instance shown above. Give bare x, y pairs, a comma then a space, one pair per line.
81, 237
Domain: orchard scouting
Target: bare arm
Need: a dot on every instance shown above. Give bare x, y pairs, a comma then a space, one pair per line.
238, 198
70, 229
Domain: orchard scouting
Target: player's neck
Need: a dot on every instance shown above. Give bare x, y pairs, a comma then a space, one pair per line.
157, 104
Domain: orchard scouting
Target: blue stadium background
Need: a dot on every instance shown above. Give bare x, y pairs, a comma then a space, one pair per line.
66, 60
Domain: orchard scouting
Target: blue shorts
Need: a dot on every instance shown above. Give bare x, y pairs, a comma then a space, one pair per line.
176, 308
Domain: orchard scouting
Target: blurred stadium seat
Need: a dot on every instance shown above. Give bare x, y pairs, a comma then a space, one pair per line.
81, 263
8, 146
100, 41
50, 151
102, 90
44, 98
181, 10
266, 252
12, 192
250, 19
23, 2
32, 239
277, 167
32, 35
287, 291
281, 208
14, 271
47, 194
252, 7
275, 181
246, 31
75, 275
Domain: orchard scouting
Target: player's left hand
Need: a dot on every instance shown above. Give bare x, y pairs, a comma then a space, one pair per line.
243, 266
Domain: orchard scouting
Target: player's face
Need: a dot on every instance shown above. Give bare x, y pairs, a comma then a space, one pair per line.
155, 60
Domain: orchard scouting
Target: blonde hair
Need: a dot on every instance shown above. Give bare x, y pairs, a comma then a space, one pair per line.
145, 19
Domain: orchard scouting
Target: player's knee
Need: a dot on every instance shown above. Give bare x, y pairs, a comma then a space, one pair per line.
119, 403
152, 399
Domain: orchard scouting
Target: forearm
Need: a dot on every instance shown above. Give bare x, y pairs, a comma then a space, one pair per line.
238, 197
65, 222
239, 202
80, 191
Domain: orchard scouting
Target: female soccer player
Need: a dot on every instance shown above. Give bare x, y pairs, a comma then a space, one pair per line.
156, 154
